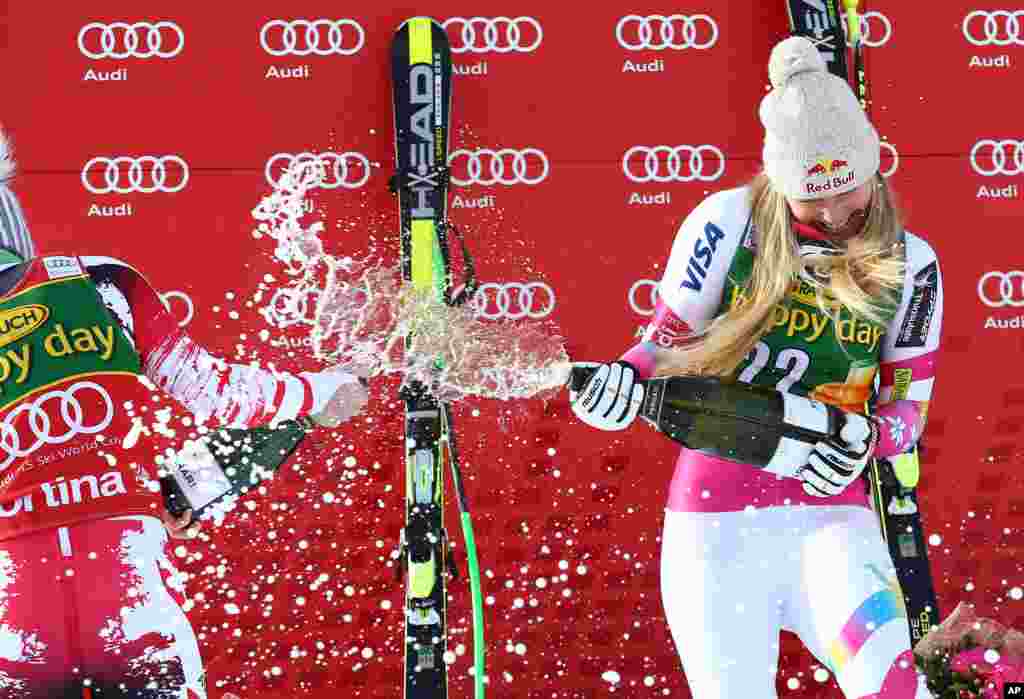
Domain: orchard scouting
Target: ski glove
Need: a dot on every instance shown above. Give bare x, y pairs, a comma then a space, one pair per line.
836, 462
612, 397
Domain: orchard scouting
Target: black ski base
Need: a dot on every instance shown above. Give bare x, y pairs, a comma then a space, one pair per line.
904, 534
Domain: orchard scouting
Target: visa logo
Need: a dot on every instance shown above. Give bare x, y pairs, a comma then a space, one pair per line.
700, 260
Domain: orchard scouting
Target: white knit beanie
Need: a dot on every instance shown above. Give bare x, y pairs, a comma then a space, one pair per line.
818, 141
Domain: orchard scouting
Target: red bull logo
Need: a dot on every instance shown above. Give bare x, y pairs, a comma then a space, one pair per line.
827, 167
832, 171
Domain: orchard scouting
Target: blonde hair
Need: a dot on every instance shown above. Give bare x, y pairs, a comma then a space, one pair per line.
865, 277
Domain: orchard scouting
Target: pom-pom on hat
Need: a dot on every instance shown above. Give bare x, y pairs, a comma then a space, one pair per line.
818, 141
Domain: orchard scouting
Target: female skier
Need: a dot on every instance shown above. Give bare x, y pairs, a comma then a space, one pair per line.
804, 281
86, 610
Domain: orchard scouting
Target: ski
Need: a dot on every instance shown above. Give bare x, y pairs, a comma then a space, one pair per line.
892, 481
819, 21
894, 498
856, 41
421, 74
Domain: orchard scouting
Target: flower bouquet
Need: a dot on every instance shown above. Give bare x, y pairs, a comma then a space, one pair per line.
970, 657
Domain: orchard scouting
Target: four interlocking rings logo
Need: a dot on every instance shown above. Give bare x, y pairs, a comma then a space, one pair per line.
145, 174
122, 40
636, 296
999, 289
994, 28
190, 308
677, 32
513, 300
1006, 157
503, 166
349, 170
72, 413
891, 150
498, 34
302, 37
673, 163
875, 29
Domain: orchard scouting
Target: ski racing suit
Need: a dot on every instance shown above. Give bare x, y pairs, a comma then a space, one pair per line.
745, 552
86, 603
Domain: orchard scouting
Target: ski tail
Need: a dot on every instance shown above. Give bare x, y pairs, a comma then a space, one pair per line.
421, 71
856, 41
894, 500
819, 21
420, 141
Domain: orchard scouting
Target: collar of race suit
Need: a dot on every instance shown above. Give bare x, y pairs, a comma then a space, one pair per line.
804, 230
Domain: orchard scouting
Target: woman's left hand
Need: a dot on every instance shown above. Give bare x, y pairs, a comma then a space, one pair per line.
839, 461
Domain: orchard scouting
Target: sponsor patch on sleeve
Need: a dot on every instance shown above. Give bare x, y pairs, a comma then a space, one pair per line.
667, 329
901, 383
921, 309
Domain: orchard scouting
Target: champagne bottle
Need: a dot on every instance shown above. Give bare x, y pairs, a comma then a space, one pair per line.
227, 461
748, 424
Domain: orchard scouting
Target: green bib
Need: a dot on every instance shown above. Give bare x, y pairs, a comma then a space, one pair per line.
805, 352
56, 330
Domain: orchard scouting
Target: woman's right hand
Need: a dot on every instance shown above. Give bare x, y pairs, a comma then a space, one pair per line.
611, 399
348, 400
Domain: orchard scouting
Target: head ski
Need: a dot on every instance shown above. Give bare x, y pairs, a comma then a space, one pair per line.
819, 21
892, 481
421, 73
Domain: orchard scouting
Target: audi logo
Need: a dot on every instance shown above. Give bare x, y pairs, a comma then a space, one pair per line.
894, 154
322, 37
498, 34
673, 163
190, 309
122, 40
870, 24
990, 157
993, 28
997, 289
349, 170
145, 174
503, 166
41, 423
512, 300
676, 32
287, 307
635, 296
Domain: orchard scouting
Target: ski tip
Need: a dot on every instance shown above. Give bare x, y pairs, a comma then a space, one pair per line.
852, 21
406, 23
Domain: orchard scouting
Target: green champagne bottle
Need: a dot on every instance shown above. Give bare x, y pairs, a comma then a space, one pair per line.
226, 462
748, 424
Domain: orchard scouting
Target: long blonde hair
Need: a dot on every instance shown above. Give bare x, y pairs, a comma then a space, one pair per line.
865, 277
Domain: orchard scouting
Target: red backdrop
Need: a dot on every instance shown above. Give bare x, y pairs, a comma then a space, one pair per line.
568, 519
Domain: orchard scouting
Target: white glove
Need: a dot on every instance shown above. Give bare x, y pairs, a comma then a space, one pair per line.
348, 400
836, 462
611, 399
